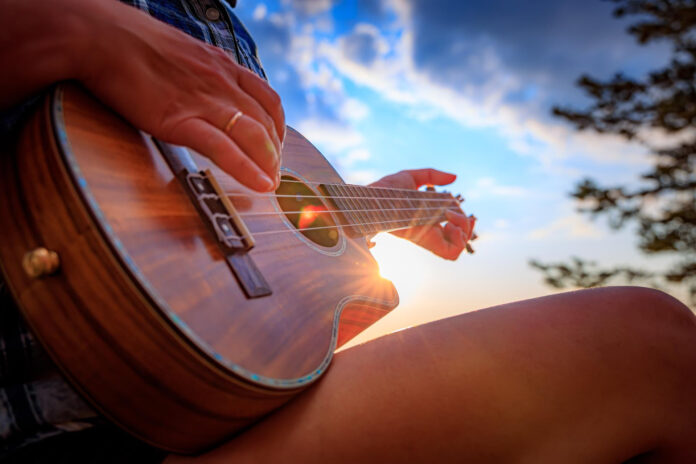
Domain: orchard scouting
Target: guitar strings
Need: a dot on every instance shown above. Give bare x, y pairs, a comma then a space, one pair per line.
273, 195
356, 225
223, 183
268, 213
409, 222
377, 187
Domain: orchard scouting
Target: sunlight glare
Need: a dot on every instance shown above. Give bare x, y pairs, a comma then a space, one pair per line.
402, 263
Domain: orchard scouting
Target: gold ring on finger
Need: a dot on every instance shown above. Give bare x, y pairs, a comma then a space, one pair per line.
232, 121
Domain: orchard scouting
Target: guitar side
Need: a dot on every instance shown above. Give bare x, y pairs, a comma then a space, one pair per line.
144, 315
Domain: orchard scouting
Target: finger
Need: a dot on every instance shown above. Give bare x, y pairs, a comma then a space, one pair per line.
414, 234
435, 239
460, 220
253, 139
401, 179
210, 141
472, 234
447, 242
455, 236
431, 177
267, 97
241, 101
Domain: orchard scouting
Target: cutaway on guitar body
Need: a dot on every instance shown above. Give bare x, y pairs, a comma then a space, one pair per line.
144, 315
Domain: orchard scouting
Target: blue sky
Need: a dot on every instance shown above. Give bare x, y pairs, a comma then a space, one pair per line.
466, 87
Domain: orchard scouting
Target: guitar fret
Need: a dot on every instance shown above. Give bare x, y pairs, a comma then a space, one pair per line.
410, 203
392, 207
358, 210
372, 207
364, 220
368, 210
379, 193
401, 214
339, 198
355, 210
367, 206
420, 201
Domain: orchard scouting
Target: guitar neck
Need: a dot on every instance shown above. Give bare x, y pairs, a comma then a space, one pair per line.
368, 210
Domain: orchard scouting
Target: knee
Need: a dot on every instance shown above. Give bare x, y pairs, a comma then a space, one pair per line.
638, 313
653, 307
654, 320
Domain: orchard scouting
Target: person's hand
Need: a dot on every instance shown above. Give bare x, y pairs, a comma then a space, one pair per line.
448, 241
161, 80
186, 92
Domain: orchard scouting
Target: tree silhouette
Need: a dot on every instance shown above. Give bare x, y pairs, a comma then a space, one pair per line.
663, 206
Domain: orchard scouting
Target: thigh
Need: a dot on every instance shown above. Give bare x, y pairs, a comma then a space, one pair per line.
590, 376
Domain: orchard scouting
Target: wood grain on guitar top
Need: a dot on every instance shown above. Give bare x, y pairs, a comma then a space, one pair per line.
150, 348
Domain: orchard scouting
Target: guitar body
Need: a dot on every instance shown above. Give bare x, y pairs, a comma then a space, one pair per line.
144, 315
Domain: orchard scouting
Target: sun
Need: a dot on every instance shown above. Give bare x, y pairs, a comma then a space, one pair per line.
402, 263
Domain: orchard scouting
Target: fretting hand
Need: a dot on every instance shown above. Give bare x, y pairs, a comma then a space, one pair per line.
446, 241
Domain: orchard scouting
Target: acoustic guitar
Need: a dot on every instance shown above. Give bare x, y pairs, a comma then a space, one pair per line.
181, 304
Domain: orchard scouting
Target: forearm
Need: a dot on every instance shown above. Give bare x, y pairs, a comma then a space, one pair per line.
45, 42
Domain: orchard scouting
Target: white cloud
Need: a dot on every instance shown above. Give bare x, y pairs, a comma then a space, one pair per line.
475, 103
486, 186
333, 137
260, 12
360, 177
570, 226
310, 7
354, 110
324, 64
355, 155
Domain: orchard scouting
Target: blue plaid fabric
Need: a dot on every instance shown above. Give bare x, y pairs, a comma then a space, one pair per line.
37, 406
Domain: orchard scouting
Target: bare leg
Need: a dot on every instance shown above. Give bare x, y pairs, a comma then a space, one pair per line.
592, 376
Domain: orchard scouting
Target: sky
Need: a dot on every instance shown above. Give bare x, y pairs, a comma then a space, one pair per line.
465, 87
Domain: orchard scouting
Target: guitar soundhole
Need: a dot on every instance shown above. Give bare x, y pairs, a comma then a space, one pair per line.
307, 212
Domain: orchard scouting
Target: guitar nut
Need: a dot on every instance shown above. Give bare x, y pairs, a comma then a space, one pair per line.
40, 262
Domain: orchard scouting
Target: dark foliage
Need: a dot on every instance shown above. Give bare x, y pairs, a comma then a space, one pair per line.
663, 207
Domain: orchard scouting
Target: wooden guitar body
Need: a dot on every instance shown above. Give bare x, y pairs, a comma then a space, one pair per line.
145, 316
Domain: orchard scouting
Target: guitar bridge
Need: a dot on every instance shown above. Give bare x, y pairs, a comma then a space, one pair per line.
218, 213
234, 238
217, 208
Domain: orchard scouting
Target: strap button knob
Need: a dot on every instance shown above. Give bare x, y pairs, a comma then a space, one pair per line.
40, 262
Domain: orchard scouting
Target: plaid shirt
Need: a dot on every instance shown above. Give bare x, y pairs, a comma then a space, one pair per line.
35, 402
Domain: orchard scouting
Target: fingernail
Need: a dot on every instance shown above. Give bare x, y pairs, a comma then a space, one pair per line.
266, 182
272, 149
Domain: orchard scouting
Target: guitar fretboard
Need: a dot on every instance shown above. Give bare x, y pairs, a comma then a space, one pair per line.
368, 210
